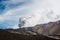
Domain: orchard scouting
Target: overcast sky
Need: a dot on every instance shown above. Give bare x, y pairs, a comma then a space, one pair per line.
39, 11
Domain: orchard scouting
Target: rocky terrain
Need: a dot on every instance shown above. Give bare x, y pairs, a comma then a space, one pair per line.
5, 35
48, 31
51, 28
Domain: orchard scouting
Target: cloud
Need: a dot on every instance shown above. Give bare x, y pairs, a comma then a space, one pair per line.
44, 11
39, 11
10, 16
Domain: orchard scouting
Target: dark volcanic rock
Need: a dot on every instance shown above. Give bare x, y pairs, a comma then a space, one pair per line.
5, 35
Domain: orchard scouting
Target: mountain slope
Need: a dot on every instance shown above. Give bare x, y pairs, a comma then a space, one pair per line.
5, 35
46, 31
